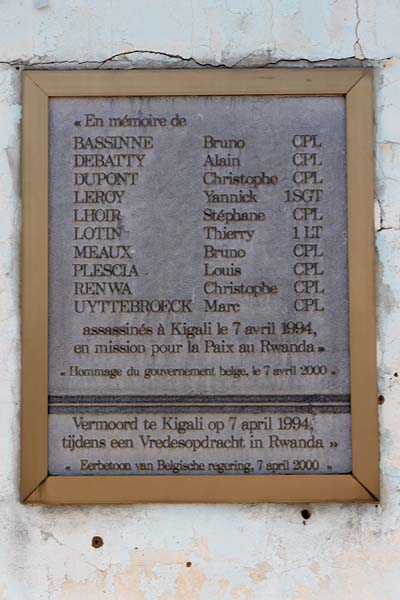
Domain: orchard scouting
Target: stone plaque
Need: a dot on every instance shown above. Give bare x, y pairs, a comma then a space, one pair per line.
199, 291
199, 298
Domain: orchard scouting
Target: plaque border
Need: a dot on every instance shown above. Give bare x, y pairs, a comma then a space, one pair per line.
362, 484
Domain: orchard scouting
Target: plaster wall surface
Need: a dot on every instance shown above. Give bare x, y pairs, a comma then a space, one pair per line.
183, 552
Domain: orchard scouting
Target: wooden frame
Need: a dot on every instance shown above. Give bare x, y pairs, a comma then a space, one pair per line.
362, 485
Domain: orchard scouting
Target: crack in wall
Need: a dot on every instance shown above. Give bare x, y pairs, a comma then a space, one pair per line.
183, 61
382, 227
166, 55
357, 43
18, 63
352, 60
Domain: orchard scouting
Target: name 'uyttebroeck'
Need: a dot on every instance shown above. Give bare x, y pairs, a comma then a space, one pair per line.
145, 306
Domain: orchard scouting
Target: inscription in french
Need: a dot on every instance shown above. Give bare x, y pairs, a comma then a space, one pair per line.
198, 286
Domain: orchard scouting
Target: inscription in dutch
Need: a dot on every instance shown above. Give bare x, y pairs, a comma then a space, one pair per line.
198, 286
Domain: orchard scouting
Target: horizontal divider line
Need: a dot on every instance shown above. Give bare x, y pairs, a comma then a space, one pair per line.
212, 400
66, 404
203, 409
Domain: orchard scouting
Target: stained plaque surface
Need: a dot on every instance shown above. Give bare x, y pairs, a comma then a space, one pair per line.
198, 299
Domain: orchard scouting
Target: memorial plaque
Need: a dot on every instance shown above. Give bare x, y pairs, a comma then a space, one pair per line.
210, 269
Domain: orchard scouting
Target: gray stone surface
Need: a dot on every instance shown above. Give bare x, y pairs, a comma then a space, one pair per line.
154, 203
256, 444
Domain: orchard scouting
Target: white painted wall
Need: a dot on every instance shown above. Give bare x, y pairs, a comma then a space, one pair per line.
237, 552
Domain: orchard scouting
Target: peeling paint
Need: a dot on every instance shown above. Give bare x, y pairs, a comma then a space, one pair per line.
260, 572
41, 3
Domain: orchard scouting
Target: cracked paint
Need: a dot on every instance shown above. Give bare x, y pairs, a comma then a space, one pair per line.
358, 51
